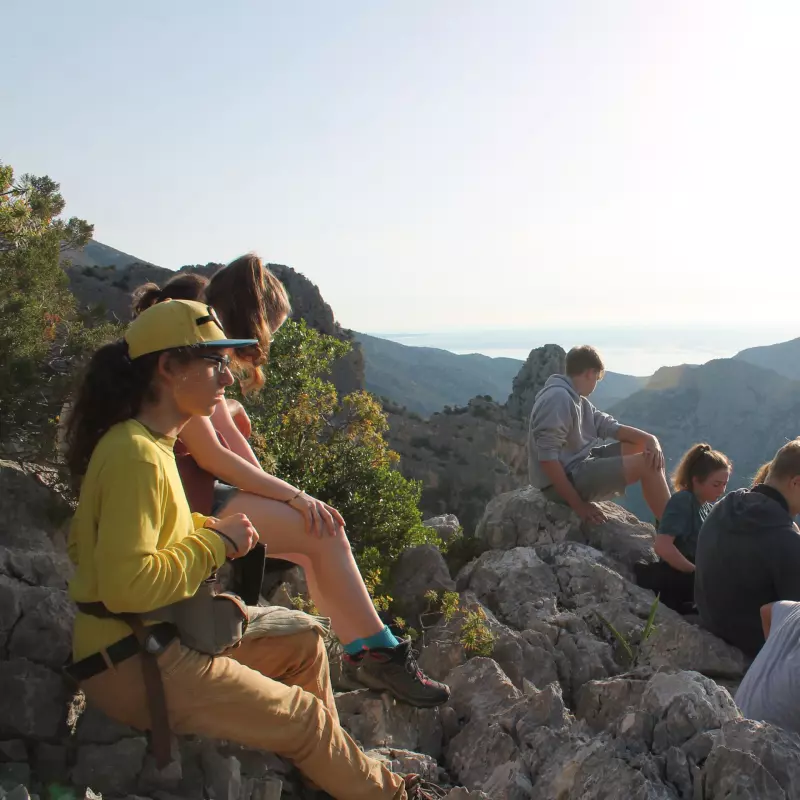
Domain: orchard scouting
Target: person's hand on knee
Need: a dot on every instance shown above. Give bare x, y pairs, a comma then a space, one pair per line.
320, 518
654, 455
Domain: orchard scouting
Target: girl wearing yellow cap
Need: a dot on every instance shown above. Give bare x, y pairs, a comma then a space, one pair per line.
138, 549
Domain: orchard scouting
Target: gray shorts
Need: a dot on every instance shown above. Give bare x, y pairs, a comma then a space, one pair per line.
601, 476
223, 494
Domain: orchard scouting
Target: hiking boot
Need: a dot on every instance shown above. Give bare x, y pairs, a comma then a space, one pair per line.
418, 789
395, 670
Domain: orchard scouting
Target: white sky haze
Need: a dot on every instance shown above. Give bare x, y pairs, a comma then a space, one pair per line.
432, 164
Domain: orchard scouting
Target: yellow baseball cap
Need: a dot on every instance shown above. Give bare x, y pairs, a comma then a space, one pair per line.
177, 323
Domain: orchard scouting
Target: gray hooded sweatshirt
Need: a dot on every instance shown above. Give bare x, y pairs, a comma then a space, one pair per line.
564, 427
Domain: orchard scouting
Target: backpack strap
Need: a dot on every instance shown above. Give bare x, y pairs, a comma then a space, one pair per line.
153, 684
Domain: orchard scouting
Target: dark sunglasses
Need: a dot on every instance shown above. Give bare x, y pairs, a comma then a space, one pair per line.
222, 362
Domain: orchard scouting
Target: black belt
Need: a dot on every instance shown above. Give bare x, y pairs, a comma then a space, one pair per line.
159, 637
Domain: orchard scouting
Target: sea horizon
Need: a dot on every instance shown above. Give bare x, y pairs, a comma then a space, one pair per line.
628, 350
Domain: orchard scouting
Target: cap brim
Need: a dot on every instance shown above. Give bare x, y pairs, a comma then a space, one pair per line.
232, 343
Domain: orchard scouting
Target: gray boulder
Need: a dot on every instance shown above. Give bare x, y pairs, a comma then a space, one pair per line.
379, 721
446, 525
417, 571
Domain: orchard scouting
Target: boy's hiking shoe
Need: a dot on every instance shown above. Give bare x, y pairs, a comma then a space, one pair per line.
418, 789
395, 670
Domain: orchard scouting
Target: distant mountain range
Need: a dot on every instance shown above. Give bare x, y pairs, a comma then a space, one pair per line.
784, 358
747, 411
747, 406
97, 254
425, 379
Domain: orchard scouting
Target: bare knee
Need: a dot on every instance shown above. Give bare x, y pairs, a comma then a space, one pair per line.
323, 547
636, 468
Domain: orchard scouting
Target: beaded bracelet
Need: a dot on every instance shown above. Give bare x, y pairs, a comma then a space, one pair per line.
293, 497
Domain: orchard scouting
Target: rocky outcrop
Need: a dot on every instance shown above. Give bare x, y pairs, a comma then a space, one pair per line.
538, 367
463, 457
110, 289
552, 709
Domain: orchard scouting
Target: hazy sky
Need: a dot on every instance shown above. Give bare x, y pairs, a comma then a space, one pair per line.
431, 164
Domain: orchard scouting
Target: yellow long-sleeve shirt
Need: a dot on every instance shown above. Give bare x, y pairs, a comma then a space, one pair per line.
134, 542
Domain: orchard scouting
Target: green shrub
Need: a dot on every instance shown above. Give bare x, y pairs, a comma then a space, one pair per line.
335, 449
42, 334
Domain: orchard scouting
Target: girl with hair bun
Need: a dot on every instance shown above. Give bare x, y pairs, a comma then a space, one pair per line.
184, 286
699, 481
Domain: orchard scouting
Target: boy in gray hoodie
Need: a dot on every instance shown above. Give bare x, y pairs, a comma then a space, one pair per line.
566, 457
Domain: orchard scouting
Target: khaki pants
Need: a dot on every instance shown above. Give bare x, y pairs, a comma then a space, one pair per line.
268, 694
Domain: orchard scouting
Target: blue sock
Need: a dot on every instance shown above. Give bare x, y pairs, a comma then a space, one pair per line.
384, 638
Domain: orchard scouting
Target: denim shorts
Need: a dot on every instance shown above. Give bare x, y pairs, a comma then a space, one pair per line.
223, 494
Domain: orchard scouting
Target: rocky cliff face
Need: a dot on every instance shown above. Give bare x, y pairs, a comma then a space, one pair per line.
110, 287
468, 455
539, 366
555, 710
746, 411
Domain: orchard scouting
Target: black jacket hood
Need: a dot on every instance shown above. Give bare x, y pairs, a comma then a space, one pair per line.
748, 512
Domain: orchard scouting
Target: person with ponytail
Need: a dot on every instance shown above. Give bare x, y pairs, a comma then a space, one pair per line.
699, 481
748, 553
184, 286
222, 476
139, 552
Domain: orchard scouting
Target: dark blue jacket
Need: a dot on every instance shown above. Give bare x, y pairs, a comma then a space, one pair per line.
748, 555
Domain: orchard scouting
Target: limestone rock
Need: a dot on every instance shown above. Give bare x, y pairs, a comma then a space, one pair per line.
43, 632
379, 721
446, 525
13, 750
51, 762
223, 774
33, 700
479, 690
95, 727
516, 584
736, 774
602, 702
538, 367
29, 509
407, 762
17, 793
589, 584
110, 768
778, 751
13, 774
684, 704
37, 567
418, 570
527, 656
525, 518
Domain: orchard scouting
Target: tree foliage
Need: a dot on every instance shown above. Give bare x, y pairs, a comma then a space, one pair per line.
41, 332
335, 449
